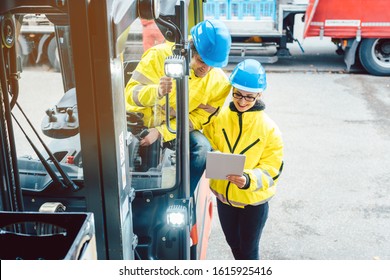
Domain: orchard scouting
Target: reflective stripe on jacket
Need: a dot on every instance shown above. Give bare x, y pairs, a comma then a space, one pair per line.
255, 135
206, 95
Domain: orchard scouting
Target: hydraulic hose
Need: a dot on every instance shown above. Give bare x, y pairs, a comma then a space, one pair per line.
47, 166
65, 177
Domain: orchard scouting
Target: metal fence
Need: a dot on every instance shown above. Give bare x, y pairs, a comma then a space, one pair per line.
240, 9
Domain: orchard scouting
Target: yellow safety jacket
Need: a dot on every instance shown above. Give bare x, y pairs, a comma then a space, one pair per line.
255, 135
206, 95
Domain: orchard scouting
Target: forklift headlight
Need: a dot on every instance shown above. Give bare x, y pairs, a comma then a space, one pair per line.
177, 216
175, 66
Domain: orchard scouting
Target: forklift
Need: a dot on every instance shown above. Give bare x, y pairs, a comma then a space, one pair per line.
87, 192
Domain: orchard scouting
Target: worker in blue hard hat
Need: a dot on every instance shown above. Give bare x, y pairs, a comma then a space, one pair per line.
208, 88
244, 128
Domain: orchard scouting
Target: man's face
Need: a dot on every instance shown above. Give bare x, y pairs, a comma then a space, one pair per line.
199, 66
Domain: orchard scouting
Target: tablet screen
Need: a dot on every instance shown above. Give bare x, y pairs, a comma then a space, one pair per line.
219, 165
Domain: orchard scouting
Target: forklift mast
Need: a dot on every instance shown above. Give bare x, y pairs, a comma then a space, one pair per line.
98, 172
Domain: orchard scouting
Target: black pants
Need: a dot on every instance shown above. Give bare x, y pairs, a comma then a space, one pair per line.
242, 228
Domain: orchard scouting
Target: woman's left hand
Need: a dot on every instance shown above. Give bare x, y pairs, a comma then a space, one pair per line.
238, 180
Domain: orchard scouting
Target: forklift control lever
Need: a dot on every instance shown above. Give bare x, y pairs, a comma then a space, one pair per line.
70, 118
50, 113
142, 134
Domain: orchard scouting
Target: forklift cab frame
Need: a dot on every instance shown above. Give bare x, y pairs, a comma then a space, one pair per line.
96, 173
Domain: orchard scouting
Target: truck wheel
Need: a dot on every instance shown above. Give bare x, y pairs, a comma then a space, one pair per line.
374, 55
52, 54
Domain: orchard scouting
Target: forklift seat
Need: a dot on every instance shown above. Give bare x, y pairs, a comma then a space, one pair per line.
128, 69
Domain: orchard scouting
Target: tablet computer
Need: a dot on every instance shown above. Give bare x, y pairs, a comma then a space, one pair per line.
219, 165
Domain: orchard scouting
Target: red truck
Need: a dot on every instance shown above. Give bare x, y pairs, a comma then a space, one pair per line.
360, 28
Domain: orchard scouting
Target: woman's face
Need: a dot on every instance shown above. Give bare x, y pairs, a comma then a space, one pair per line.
244, 100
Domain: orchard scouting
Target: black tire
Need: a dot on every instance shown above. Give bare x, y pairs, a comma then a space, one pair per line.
358, 63
374, 55
52, 55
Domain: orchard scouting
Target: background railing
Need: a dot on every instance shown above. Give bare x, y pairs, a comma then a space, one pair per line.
240, 9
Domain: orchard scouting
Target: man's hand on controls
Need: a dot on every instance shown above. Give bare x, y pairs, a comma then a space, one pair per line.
165, 86
149, 139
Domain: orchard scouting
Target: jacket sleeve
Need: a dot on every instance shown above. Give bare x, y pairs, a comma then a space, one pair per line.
209, 132
165, 133
270, 166
142, 88
203, 113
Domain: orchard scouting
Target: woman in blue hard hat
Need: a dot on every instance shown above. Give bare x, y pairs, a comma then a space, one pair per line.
208, 88
244, 128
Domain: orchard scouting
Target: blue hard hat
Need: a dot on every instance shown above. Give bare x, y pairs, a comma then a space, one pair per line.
212, 41
249, 75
